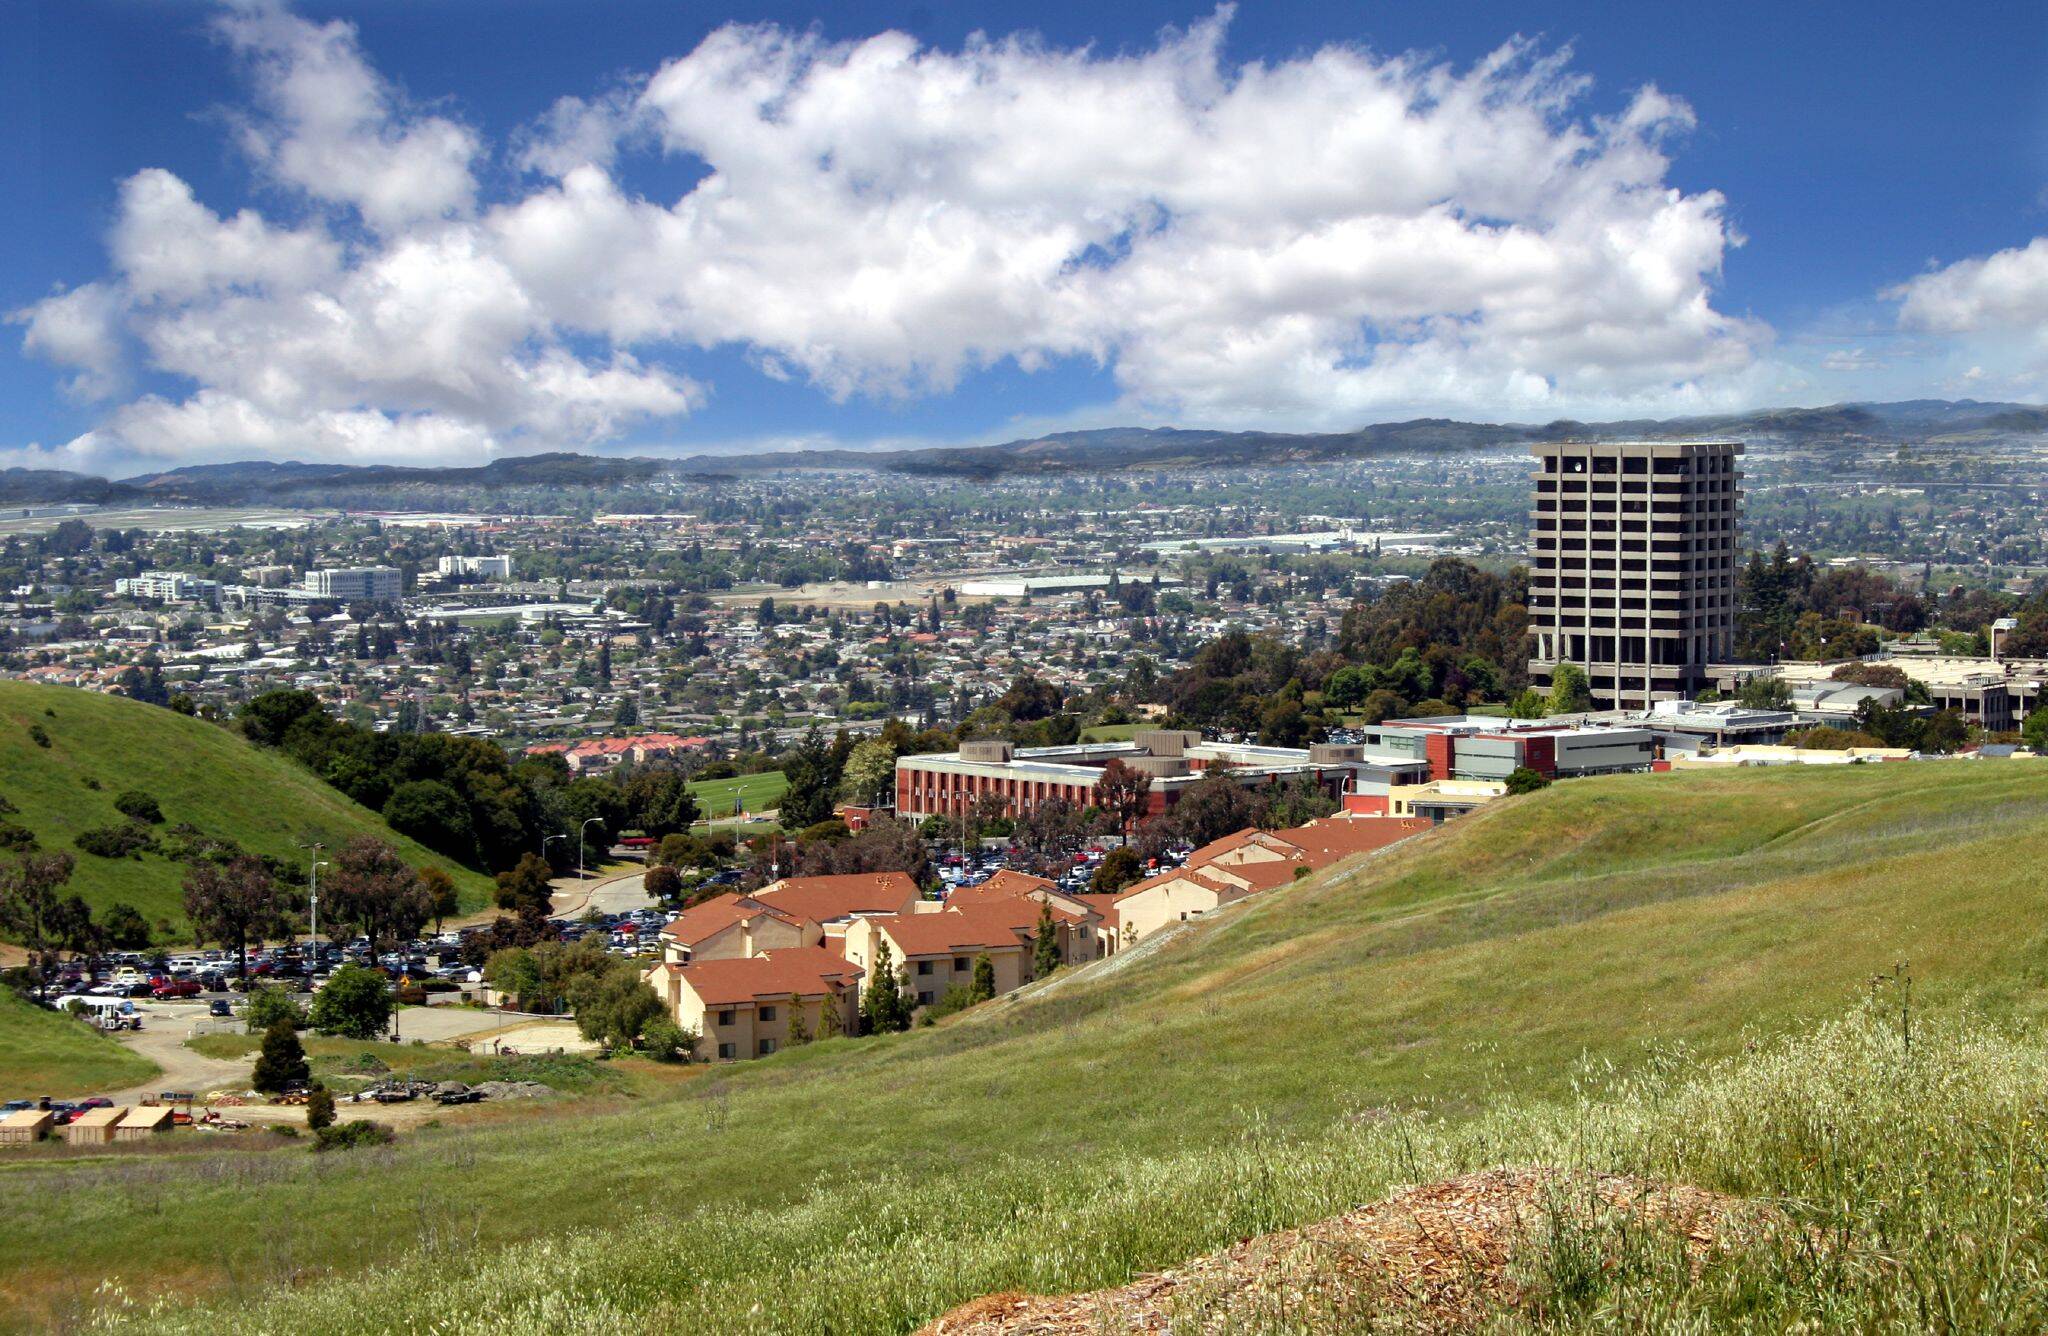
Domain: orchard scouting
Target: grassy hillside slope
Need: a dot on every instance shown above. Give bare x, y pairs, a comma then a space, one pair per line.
42, 1053
1629, 925
196, 771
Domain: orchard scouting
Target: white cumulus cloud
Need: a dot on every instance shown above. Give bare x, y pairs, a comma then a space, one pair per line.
1303, 243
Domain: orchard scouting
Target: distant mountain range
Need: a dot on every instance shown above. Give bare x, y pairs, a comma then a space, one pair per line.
1104, 450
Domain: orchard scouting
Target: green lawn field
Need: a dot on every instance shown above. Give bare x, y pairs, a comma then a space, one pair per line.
1554, 977
758, 793
102, 746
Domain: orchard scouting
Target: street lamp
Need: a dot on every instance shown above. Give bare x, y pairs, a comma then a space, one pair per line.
546, 842
588, 823
313, 911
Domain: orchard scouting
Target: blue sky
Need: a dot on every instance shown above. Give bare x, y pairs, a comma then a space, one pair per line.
1139, 212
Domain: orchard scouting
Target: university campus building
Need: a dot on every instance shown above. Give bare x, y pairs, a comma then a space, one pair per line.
1632, 565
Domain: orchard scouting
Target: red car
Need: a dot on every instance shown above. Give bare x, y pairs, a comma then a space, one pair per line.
176, 988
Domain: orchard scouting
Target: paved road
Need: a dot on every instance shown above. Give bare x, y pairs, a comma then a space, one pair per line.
616, 895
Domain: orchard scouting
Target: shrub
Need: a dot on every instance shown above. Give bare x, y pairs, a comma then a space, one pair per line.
38, 735
957, 998
665, 1041
128, 839
1524, 780
348, 1136
319, 1107
16, 839
139, 806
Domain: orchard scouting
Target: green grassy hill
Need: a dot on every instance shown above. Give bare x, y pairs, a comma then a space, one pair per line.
1606, 972
42, 1053
101, 746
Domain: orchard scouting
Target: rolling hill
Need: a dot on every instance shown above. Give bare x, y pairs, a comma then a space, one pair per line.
1106, 449
1617, 972
102, 746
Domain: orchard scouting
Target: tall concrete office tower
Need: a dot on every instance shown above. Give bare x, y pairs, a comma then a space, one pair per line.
1632, 562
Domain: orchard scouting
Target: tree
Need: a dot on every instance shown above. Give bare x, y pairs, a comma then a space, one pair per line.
442, 899
870, 773
1524, 780
267, 1006
884, 1008
1765, 693
799, 1028
1570, 692
1045, 942
616, 1008
1296, 803
375, 892
355, 1004
30, 910
514, 972
125, 927
664, 884
1528, 703
831, 1024
319, 1107
235, 902
1214, 807
1120, 867
528, 887
808, 799
282, 1063
434, 814
1049, 833
2035, 730
984, 978
659, 802
1123, 791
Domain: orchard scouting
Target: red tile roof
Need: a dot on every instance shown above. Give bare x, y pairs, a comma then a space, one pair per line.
700, 922
823, 899
806, 971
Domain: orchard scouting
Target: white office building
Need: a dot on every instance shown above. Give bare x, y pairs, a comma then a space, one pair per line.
356, 584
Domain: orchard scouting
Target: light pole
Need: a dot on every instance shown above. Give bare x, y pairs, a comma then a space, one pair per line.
545, 842
312, 912
587, 824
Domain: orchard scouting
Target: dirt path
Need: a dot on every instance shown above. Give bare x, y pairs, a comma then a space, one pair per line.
182, 1069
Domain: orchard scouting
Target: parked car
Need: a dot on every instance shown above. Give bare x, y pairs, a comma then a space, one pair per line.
176, 988
219, 1007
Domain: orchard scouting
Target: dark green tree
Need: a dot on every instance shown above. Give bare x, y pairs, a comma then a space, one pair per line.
1045, 942
885, 1008
984, 978
282, 1062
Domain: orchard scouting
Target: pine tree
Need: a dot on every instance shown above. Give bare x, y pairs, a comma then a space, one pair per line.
1045, 951
282, 1061
984, 978
884, 1009
830, 1026
799, 1029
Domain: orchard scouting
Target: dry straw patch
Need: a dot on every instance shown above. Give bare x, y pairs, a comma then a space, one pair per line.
1439, 1257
